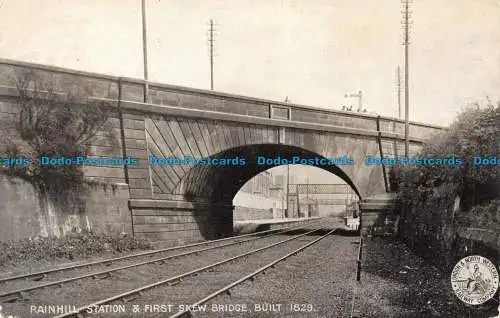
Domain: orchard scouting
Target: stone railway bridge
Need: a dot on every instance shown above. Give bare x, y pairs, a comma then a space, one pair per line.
187, 202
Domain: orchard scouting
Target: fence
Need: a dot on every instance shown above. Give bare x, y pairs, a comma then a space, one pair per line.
308, 200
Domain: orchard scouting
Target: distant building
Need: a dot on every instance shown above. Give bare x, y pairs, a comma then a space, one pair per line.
261, 193
260, 184
268, 191
307, 200
279, 180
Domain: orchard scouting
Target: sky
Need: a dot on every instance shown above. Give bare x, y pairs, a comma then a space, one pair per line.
313, 51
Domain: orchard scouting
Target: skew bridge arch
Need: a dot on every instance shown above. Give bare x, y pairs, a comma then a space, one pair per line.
200, 197
188, 202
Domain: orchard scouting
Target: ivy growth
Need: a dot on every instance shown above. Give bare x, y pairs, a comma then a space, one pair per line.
53, 123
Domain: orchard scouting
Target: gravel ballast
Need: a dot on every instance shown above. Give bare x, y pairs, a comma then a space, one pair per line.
86, 291
318, 282
397, 283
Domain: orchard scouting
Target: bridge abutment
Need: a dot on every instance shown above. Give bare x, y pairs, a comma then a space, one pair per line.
375, 212
181, 221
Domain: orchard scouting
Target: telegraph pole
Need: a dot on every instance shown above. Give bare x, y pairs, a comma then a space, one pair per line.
398, 83
406, 23
145, 51
287, 178
288, 190
398, 74
307, 197
211, 45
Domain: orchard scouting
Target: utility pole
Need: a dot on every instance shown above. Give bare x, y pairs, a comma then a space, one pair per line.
398, 83
288, 189
406, 44
283, 198
211, 45
398, 74
145, 52
287, 177
307, 197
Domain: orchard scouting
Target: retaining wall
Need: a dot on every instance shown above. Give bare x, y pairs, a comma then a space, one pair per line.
242, 213
24, 214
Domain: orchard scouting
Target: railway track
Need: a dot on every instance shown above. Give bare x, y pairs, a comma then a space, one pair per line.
269, 255
187, 312
19, 293
41, 274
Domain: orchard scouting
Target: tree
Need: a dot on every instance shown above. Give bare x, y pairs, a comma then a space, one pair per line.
53, 124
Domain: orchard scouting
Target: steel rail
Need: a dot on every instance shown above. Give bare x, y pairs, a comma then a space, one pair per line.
119, 258
4, 296
249, 276
78, 311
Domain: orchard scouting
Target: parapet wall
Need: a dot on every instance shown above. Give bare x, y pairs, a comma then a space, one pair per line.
103, 86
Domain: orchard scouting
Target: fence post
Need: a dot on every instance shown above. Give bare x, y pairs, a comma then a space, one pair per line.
358, 271
379, 139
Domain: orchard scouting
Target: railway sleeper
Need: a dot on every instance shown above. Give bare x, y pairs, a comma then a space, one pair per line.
11, 298
102, 276
131, 297
39, 277
187, 314
15, 297
175, 282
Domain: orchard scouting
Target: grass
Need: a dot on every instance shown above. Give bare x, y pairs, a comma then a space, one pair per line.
73, 246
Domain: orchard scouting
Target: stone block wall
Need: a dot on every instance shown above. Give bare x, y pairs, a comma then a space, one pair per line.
242, 213
181, 221
24, 214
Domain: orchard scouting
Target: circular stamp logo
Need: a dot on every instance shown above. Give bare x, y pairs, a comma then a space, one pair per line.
474, 280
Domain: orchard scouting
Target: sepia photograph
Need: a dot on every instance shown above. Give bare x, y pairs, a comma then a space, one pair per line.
250, 158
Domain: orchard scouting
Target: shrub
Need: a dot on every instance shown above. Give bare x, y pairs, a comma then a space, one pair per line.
427, 193
475, 133
53, 124
485, 216
73, 246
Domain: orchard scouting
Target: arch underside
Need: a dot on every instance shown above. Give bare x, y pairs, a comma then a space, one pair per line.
221, 183
173, 137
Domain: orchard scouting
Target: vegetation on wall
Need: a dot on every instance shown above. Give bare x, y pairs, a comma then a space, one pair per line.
429, 194
73, 246
52, 123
